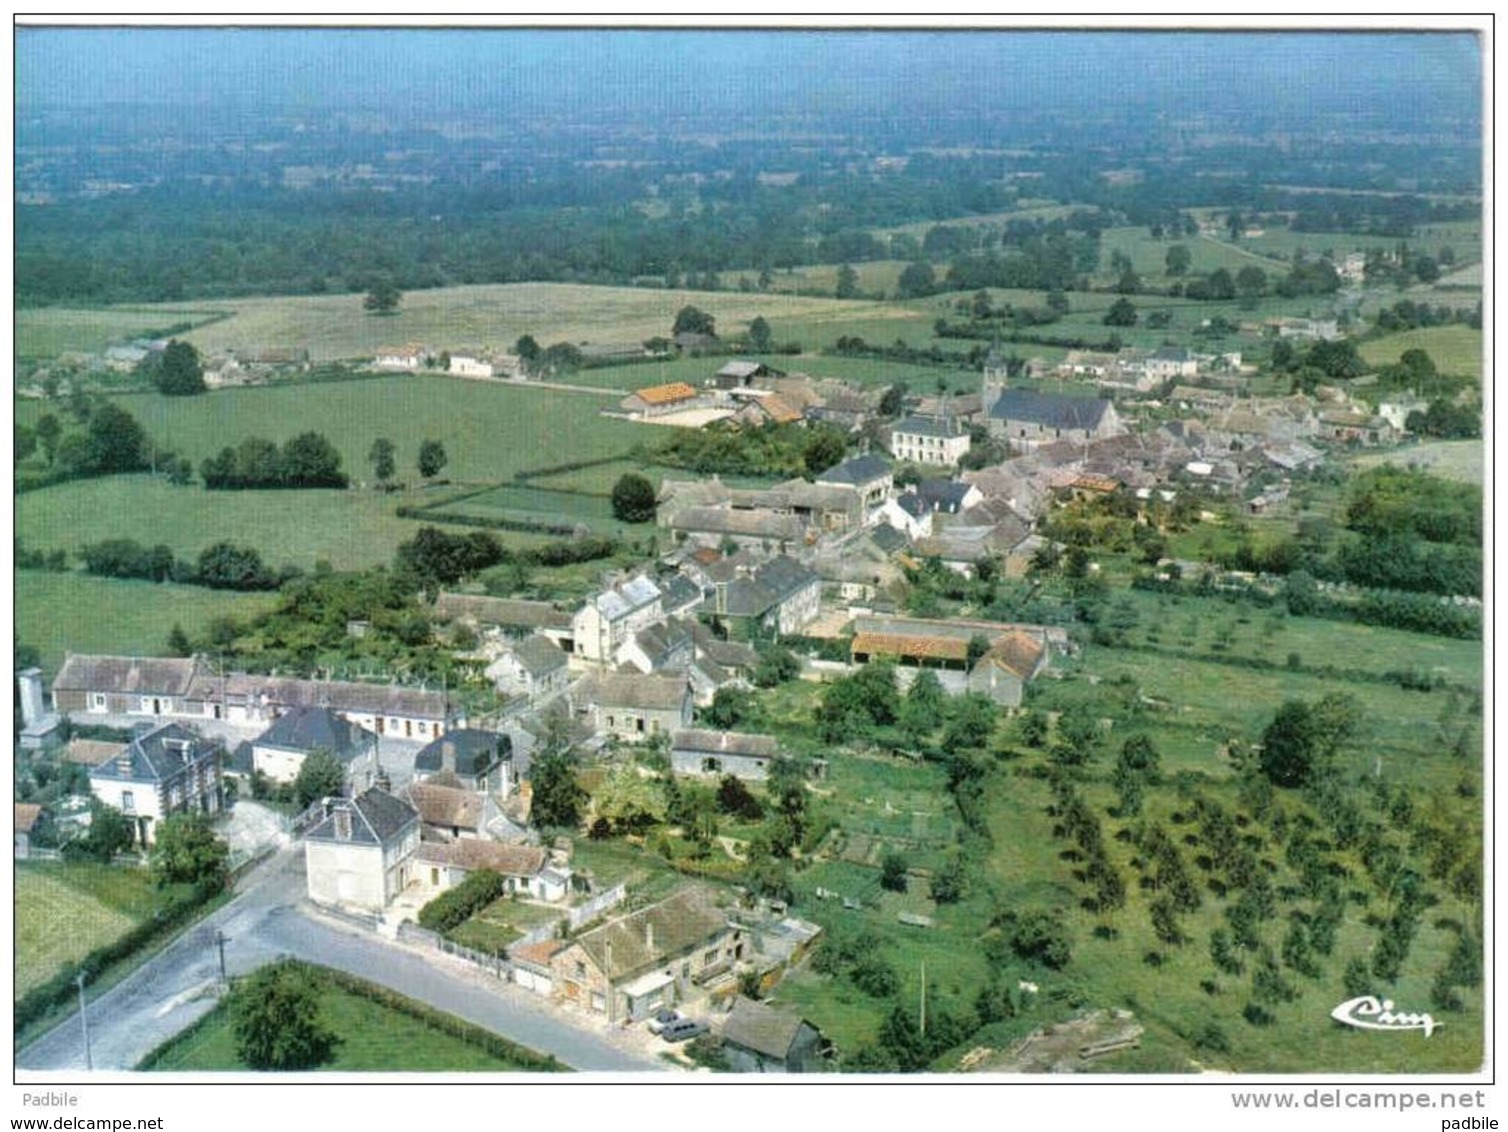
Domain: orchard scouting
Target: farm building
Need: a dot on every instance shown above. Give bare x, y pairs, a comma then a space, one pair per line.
632, 966
658, 400
715, 753
742, 374
533, 667
1013, 661
758, 1038
633, 706
359, 855
440, 866
164, 769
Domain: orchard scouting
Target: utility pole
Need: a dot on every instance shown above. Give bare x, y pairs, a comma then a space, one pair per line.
220, 944
84, 1018
924, 998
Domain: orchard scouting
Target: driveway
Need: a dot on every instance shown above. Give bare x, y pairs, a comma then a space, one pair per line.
269, 919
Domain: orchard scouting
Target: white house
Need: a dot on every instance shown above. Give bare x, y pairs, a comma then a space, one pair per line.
929, 440
469, 365
610, 620
360, 854
533, 667
406, 359
280, 751
715, 753
163, 770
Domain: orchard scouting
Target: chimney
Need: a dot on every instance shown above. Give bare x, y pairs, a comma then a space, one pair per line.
649, 934
32, 706
343, 824
448, 756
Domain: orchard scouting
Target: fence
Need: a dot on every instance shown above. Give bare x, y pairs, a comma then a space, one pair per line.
594, 907
496, 965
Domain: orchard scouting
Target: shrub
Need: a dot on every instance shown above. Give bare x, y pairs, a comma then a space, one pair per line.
454, 907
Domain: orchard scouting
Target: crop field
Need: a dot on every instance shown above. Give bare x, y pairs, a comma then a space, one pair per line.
46, 332
61, 613
1045, 210
64, 911
1149, 257
1456, 350
876, 277
493, 315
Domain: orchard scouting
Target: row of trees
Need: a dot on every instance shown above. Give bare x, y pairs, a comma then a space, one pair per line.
222, 566
383, 456
308, 460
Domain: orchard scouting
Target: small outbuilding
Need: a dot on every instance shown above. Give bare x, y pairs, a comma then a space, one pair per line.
758, 1038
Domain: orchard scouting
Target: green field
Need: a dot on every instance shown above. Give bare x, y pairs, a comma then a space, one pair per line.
1460, 460
494, 315
538, 505
62, 613
1456, 350
374, 1038
64, 911
46, 332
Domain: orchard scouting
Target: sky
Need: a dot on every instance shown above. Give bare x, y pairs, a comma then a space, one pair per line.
728, 72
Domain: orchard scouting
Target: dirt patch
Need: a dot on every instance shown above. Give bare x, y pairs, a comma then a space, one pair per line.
1063, 1047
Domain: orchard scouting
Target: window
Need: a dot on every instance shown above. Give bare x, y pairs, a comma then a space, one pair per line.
580, 969
97, 701
127, 802
709, 958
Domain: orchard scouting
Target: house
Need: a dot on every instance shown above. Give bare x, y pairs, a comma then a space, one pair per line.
657, 400
758, 1038
164, 769
478, 760
450, 813
633, 706
470, 365
439, 866
777, 598
753, 528
403, 359
28, 817
841, 405
1012, 662
279, 752
760, 408
1170, 363
908, 513
121, 685
948, 497
658, 648
716, 753
610, 619
632, 966
867, 476
742, 374
929, 440
1027, 419
736, 657
512, 617
533, 667
360, 854
532, 964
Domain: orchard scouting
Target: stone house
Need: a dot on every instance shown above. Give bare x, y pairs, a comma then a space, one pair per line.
280, 751
632, 966
868, 476
360, 854
163, 770
439, 866
776, 598
633, 706
610, 619
450, 813
758, 1038
476, 760
1014, 660
711, 754
929, 440
533, 667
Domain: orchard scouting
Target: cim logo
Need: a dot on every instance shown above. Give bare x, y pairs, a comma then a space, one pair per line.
1368, 1013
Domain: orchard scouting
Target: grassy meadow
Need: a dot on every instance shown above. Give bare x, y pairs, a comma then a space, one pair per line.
64, 911
46, 332
1456, 350
62, 613
1460, 460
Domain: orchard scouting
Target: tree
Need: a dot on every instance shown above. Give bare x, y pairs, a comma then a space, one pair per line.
178, 642
558, 797
760, 335
692, 320
115, 442
528, 350
1178, 260
950, 883
1289, 748
730, 705
310, 460
383, 459
776, 665
276, 1020
1042, 938
922, 710
629, 802
893, 873
892, 404
319, 776
432, 458
186, 851
848, 282
823, 450
1121, 313
916, 280
110, 832
179, 372
1251, 282
735, 799
633, 499
48, 432
383, 299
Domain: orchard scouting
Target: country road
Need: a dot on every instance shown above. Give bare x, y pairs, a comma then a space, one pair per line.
270, 919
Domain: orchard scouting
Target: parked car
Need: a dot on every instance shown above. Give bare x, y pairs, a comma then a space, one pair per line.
662, 1018
683, 1029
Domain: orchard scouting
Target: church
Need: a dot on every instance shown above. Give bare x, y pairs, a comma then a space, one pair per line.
1026, 419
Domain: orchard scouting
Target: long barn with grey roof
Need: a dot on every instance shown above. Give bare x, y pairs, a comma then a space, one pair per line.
1028, 419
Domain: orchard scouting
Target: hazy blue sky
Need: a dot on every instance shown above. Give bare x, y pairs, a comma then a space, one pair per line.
723, 71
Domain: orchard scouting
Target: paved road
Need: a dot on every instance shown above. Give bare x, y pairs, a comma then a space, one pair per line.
269, 919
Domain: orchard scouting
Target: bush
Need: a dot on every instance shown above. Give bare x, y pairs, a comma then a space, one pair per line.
454, 907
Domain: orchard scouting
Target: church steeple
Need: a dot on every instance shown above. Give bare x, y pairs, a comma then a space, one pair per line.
996, 376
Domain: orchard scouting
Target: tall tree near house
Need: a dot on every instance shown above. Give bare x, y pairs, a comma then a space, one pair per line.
319, 776
186, 851
48, 432
558, 797
633, 499
432, 458
179, 372
383, 458
276, 1020
692, 320
760, 339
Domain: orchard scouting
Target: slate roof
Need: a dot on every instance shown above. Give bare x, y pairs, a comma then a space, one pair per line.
759, 1027
309, 728
475, 751
539, 656
677, 925
486, 610
472, 853
341, 695
376, 819
857, 470
679, 593
750, 524
946, 427
660, 643
771, 584
727, 654
626, 597
446, 806
1173, 354
632, 689
143, 675
740, 368
1050, 410
724, 743
156, 754
944, 495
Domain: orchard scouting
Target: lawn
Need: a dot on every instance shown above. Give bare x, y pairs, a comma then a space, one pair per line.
1459, 460
375, 1038
64, 911
61, 613
1456, 350
538, 504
